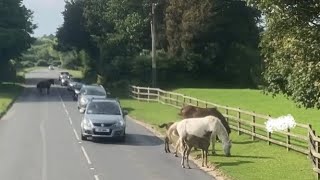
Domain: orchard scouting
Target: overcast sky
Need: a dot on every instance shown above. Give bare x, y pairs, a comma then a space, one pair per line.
47, 15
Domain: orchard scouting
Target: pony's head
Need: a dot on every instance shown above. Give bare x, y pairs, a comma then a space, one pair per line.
227, 147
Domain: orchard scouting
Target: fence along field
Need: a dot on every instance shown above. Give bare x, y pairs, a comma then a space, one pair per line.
302, 138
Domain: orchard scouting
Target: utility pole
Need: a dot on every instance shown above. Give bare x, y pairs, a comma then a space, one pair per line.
153, 55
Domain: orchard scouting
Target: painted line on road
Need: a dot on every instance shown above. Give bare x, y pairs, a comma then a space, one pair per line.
96, 177
76, 134
70, 120
67, 112
86, 155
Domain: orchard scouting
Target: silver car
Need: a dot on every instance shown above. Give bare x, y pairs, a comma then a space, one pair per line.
104, 118
87, 92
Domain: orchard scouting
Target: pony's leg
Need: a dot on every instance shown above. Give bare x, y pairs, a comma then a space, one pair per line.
176, 147
213, 141
202, 152
188, 153
183, 156
206, 155
48, 90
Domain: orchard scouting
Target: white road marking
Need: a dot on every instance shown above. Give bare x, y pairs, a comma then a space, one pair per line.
76, 134
70, 120
67, 111
96, 177
85, 154
91, 168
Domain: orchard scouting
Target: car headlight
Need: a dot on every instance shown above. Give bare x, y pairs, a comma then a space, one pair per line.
87, 124
120, 123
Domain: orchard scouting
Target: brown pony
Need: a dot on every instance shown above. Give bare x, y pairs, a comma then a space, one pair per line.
189, 111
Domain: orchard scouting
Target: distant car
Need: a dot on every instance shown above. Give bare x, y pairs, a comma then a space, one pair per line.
74, 86
64, 81
104, 118
63, 74
87, 92
51, 67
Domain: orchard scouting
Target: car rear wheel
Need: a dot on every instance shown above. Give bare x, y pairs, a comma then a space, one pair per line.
83, 138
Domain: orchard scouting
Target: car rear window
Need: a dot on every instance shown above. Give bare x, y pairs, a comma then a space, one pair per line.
108, 108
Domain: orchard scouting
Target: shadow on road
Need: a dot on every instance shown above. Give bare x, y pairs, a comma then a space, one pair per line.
133, 140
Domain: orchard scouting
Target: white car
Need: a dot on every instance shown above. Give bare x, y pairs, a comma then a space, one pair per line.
51, 67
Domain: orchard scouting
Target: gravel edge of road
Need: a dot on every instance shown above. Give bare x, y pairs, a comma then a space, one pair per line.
212, 170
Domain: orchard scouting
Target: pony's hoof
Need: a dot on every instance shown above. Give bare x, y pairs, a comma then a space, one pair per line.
175, 155
183, 166
189, 167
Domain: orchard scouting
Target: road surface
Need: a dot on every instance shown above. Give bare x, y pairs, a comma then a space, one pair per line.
39, 140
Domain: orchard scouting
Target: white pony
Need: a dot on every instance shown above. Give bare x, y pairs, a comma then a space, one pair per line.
199, 127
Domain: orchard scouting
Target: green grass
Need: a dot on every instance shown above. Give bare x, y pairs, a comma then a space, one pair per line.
250, 159
254, 100
75, 73
8, 93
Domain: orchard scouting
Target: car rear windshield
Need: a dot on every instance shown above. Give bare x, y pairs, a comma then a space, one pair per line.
94, 91
109, 108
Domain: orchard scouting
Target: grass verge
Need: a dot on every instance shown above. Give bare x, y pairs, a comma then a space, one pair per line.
250, 159
254, 100
8, 93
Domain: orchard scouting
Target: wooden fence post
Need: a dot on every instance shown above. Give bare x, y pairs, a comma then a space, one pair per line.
239, 123
206, 104
269, 134
148, 94
184, 99
197, 103
288, 140
177, 102
170, 99
158, 92
317, 159
227, 113
138, 93
253, 126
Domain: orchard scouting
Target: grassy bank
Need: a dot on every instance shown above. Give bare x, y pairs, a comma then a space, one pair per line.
254, 100
250, 159
8, 93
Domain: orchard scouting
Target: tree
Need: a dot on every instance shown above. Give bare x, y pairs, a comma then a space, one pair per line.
15, 32
73, 33
291, 49
219, 36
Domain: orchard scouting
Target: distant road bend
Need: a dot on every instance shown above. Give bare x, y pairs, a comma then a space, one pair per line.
39, 140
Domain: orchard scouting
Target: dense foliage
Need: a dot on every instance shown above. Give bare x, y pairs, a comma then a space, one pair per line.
212, 40
291, 49
15, 29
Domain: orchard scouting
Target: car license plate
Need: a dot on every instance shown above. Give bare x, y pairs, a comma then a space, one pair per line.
102, 130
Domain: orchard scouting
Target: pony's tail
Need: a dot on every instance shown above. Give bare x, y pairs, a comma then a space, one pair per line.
172, 130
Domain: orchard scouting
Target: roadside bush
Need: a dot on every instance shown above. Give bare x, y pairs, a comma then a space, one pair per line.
27, 64
42, 63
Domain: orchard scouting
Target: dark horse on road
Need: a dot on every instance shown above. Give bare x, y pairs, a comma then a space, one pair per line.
45, 85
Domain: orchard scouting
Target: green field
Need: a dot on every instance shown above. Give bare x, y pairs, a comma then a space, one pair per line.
250, 159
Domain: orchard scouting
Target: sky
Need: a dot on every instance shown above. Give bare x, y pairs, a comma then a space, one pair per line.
46, 14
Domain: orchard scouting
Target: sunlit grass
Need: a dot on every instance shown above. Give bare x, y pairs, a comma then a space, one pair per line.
8, 92
250, 159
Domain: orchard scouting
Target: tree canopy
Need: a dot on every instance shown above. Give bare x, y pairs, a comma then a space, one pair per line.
15, 33
291, 49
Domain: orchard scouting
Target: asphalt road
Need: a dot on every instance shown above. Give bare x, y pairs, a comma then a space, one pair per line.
39, 140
